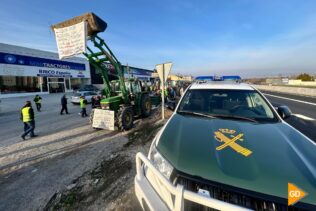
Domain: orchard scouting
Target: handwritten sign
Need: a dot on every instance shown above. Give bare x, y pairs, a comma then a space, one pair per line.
103, 119
71, 40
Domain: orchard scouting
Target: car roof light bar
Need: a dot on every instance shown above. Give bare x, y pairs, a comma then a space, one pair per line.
218, 78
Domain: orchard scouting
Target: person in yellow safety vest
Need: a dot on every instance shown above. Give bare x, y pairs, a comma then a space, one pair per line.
165, 93
27, 117
83, 103
38, 102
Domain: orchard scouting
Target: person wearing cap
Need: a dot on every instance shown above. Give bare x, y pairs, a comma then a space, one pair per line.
27, 117
83, 103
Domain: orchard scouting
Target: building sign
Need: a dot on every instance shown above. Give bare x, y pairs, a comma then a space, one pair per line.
54, 73
137, 71
19, 65
6, 58
15, 70
71, 40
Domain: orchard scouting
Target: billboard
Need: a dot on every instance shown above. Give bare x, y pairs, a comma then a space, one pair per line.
21, 65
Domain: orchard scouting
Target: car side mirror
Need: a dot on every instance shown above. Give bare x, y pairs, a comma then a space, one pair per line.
284, 111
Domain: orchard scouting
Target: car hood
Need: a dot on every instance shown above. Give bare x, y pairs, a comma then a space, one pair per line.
278, 154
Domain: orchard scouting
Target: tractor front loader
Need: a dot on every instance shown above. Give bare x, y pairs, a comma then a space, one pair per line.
125, 96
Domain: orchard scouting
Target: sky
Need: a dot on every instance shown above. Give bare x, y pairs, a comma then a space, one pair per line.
251, 38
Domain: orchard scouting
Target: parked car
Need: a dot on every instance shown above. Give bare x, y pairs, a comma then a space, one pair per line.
226, 148
75, 99
88, 88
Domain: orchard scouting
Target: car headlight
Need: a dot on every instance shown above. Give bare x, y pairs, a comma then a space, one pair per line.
160, 163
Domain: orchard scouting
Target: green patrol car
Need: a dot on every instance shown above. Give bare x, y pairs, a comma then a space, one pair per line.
226, 148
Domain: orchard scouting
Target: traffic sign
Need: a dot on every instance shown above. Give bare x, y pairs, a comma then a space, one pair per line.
163, 70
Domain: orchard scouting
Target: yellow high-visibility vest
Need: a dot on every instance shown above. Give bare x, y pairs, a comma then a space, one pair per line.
38, 100
82, 104
26, 114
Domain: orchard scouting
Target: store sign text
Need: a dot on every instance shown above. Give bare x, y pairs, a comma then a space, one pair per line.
15, 59
53, 73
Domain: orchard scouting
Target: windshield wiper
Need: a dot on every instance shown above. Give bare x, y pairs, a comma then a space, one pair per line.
218, 116
235, 117
196, 114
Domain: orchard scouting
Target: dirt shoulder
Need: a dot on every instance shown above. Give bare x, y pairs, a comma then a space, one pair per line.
110, 185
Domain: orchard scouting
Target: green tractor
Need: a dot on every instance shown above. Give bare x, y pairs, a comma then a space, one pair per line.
126, 97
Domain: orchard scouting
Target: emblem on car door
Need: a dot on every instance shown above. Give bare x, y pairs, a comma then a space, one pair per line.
229, 138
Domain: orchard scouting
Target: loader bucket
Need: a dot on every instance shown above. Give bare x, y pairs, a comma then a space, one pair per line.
94, 26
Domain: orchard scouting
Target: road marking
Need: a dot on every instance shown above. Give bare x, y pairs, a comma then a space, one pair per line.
300, 101
304, 117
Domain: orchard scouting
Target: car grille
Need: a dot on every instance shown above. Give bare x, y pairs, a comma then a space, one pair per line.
222, 194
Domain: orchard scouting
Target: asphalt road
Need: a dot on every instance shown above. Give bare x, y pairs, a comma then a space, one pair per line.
32, 171
303, 109
48, 121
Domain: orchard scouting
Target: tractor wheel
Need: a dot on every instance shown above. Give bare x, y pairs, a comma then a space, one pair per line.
146, 106
125, 118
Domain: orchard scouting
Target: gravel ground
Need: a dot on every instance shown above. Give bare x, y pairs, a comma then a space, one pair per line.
67, 160
110, 185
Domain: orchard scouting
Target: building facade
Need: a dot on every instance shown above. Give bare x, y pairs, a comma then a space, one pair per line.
140, 73
26, 70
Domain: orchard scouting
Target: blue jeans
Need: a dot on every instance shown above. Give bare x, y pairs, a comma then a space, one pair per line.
83, 112
29, 128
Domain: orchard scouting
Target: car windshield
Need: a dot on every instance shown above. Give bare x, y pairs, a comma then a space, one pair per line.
77, 94
245, 105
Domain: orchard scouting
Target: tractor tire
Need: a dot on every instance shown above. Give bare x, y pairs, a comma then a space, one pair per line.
146, 106
125, 118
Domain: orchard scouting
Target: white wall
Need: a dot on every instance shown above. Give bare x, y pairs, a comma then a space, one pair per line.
302, 83
289, 90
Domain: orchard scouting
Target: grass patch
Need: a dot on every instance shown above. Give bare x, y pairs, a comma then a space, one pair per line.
67, 200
